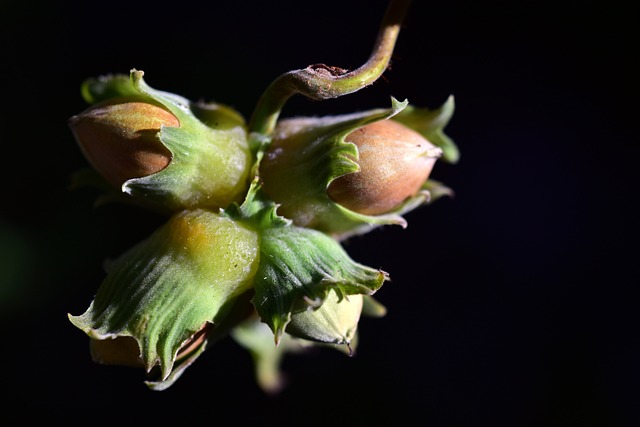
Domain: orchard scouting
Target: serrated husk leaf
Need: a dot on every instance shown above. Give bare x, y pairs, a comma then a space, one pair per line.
217, 116
335, 321
431, 123
297, 269
100, 89
209, 167
241, 309
164, 289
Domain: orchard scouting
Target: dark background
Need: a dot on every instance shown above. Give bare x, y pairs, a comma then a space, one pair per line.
513, 303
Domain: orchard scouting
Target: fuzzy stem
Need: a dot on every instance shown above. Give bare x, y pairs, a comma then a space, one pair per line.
320, 81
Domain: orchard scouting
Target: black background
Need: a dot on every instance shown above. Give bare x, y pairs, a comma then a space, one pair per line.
513, 303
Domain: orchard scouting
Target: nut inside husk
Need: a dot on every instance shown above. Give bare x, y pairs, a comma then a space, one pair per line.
395, 161
119, 138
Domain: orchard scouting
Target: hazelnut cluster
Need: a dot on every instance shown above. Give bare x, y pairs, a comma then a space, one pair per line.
256, 214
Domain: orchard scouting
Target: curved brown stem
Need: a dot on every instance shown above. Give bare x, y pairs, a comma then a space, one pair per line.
320, 81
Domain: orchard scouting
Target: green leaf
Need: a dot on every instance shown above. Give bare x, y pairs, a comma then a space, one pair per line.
240, 310
335, 321
209, 167
100, 89
431, 124
298, 267
164, 289
437, 190
217, 116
